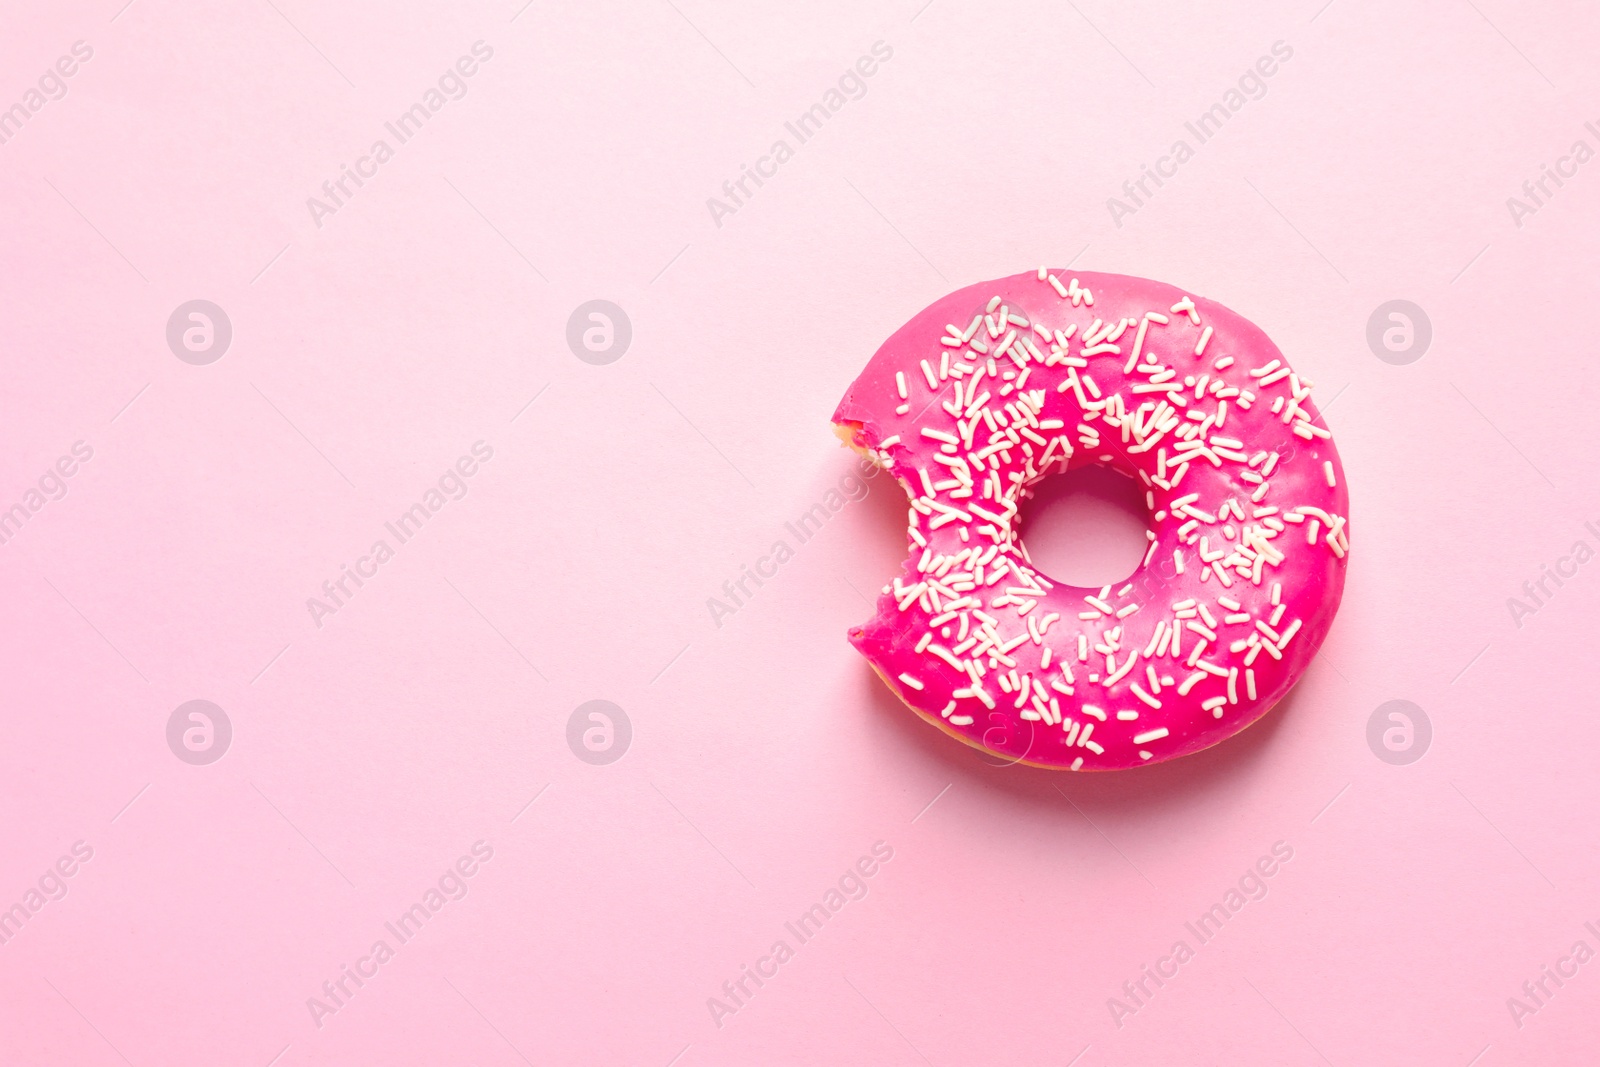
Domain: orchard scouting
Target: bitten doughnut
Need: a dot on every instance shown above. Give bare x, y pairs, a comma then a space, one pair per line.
999, 385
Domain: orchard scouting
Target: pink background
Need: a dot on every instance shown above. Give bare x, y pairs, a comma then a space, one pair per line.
371, 753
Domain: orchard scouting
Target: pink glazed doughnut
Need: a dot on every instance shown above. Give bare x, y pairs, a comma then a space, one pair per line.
998, 385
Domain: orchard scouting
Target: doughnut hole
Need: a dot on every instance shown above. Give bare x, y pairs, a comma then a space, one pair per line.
1086, 527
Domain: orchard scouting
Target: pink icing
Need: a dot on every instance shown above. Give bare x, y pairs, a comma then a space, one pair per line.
1237, 464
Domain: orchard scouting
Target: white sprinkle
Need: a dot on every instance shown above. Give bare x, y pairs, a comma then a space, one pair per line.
1142, 695
1138, 345
1150, 735
1200, 345
1127, 716
976, 691
1116, 676
900, 383
1157, 638
1250, 684
1293, 628
1327, 472
912, 682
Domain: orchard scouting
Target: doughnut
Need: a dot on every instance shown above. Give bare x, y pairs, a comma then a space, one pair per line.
999, 385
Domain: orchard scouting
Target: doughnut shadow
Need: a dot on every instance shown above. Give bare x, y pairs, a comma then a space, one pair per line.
1150, 790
